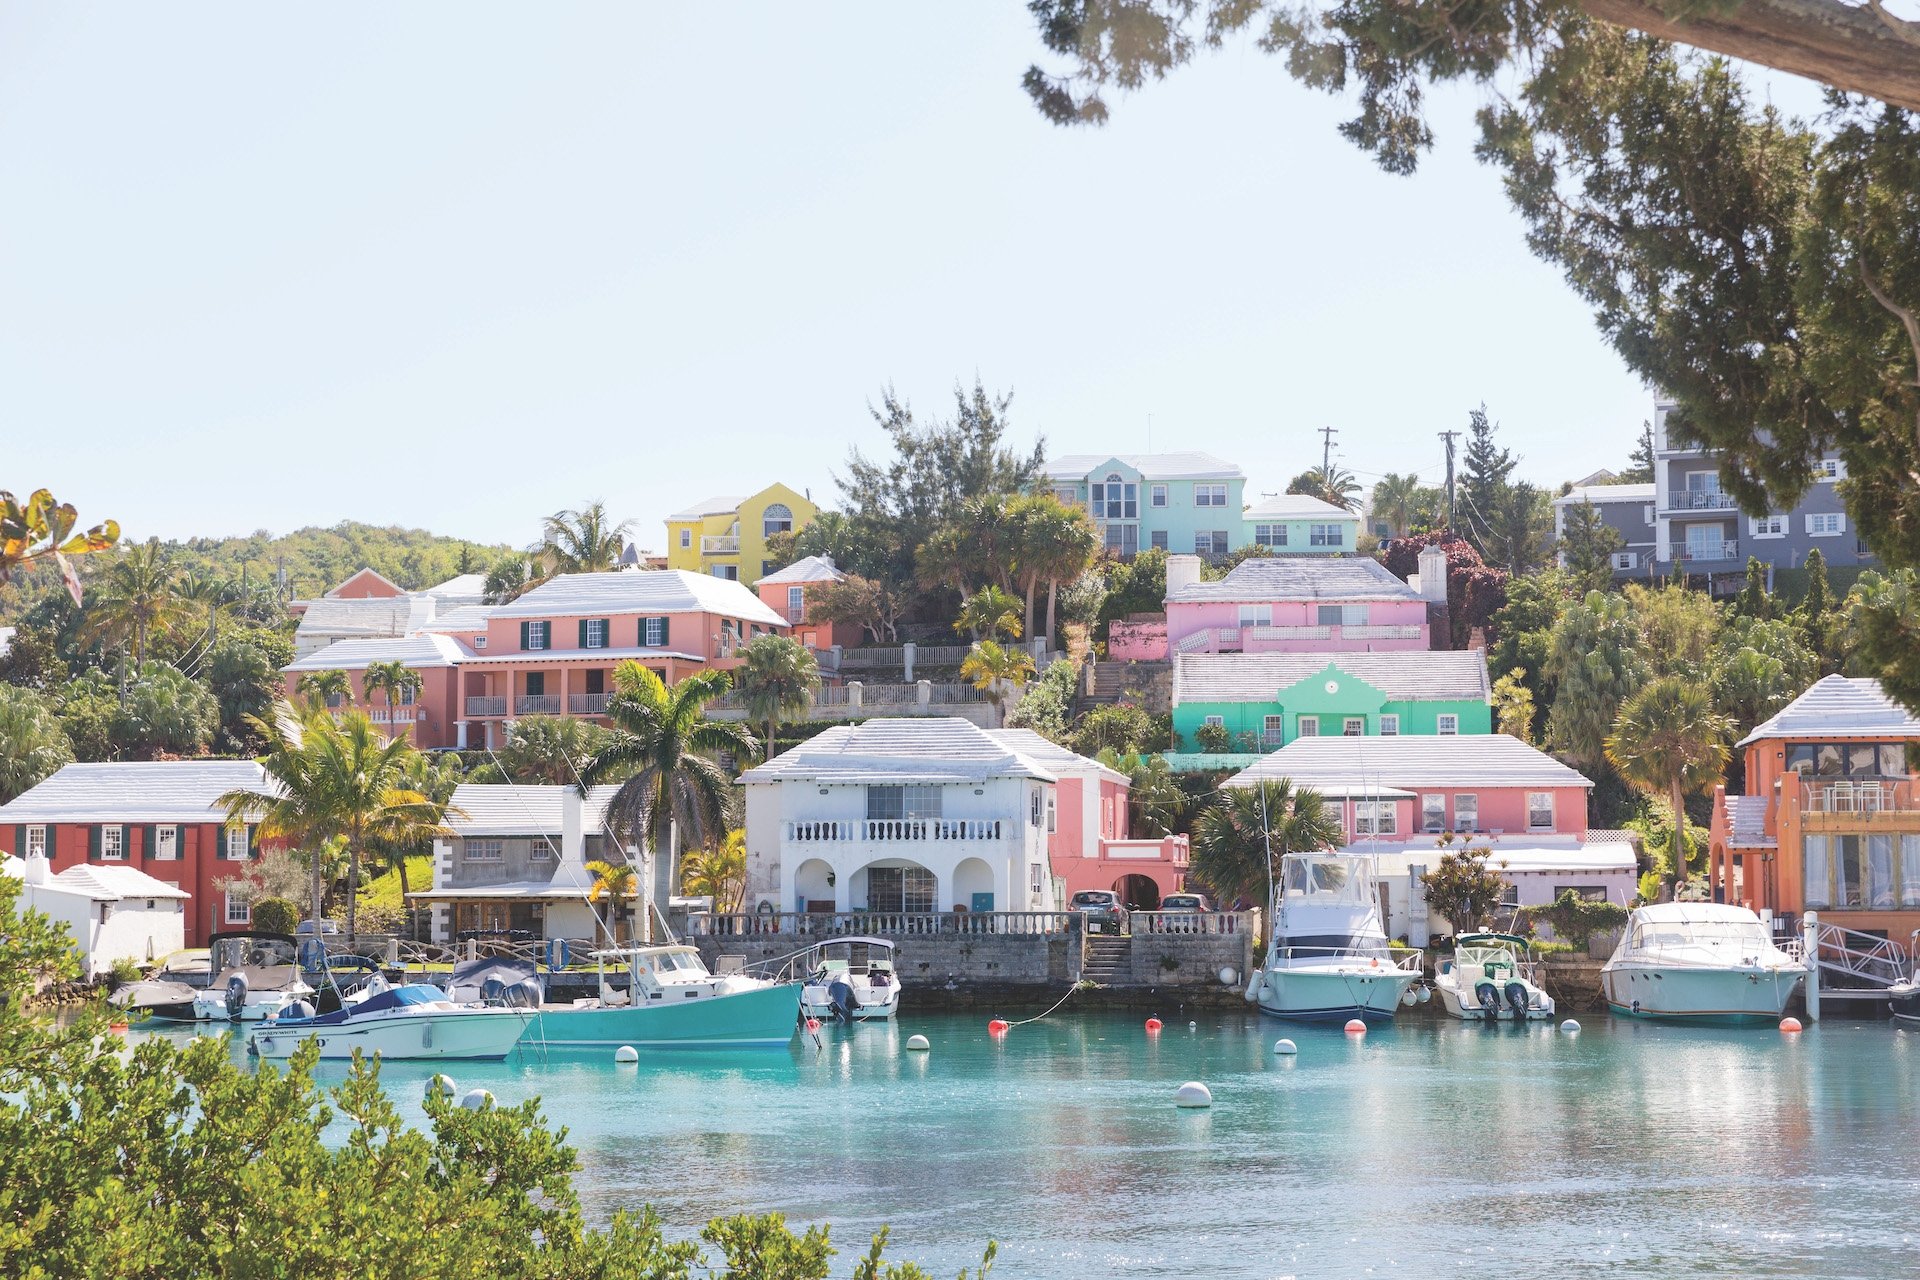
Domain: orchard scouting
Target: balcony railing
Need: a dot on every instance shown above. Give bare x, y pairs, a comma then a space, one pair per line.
1258, 639
1381, 631
587, 704
1710, 551
1201, 922
486, 706
1860, 796
1699, 500
723, 545
827, 924
537, 704
895, 830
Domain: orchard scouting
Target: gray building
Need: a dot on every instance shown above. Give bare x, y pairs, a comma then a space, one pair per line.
1683, 518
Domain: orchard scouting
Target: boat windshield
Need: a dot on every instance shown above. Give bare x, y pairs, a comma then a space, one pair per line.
1327, 880
1706, 941
673, 962
1477, 958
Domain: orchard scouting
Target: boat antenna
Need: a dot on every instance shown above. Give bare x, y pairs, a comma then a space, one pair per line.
1266, 840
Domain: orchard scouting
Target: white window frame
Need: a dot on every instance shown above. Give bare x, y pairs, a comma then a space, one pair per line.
1306, 726
240, 899
1646, 514
796, 604
1037, 808
166, 844
1466, 808
597, 633
1053, 814
1376, 817
479, 642
1625, 559
1340, 615
539, 636
648, 639
1256, 615
1035, 870
36, 842
1390, 725
540, 850
1157, 495
113, 842
1546, 796
1769, 526
686, 539
230, 839
1828, 470
483, 850
1157, 538
1273, 728
1433, 813
1446, 724
1270, 535
1325, 535
1353, 726
1210, 495
1219, 720
1826, 524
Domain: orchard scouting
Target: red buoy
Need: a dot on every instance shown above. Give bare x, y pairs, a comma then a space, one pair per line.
813, 1024
1791, 1026
997, 1027
1153, 1024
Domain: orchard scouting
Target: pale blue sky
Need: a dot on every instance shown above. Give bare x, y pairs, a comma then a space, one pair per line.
459, 265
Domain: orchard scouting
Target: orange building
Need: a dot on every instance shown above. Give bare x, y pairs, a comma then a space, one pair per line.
1830, 821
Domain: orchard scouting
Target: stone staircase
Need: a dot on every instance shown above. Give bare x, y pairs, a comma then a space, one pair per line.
1150, 682
1105, 957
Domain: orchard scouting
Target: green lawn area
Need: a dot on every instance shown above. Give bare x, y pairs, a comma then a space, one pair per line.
383, 892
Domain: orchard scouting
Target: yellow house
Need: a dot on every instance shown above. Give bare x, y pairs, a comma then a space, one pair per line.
726, 536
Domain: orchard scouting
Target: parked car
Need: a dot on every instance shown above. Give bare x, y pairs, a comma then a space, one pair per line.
305, 927
1175, 906
1185, 902
1101, 910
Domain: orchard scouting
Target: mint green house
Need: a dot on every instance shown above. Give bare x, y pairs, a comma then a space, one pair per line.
1266, 700
1296, 524
1183, 503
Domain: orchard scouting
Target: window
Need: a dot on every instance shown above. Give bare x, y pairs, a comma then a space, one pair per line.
1123, 540
887, 804
1433, 813
1625, 559
1067, 494
1826, 524
1157, 496
1374, 818
1390, 726
479, 642
777, 518
1848, 760
1447, 723
730, 572
593, 633
1210, 542
899, 889
486, 850
1215, 720
1053, 815
1353, 727
1588, 892
333, 700
1309, 726
1324, 535
233, 844
238, 908
406, 696
1539, 810
1768, 526
1340, 615
796, 604
1210, 495
536, 635
113, 843
36, 842
536, 684
1158, 539
1256, 615
1116, 500
1273, 730
1270, 535
166, 844
653, 632
1036, 808
1829, 469
686, 538
1466, 813
1646, 514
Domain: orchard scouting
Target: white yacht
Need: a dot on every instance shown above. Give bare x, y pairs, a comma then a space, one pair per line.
852, 979
1700, 962
255, 975
409, 1022
1489, 979
1328, 959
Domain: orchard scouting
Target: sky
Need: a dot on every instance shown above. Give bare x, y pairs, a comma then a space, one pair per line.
456, 266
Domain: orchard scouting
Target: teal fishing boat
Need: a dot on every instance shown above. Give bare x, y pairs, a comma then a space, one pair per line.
670, 1000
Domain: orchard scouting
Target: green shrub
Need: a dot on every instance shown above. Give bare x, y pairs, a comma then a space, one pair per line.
1574, 919
124, 970
1213, 738
275, 915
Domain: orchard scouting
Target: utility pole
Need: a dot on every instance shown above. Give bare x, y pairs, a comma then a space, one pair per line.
1326, 451
1449, 437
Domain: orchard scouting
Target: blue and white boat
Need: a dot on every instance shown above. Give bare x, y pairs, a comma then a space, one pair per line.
852, 979
410, 1022
1700, 962
1328, 959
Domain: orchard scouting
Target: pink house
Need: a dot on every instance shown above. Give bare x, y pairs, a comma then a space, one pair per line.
1293, 604
1088, 842
786, 593
552, 651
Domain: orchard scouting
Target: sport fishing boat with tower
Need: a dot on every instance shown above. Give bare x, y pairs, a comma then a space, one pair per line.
1329, 959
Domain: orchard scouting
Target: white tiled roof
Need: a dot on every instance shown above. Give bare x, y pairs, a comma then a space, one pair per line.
105, 883
643, 591
1414, 676
1266, 578
1052, 756
1412, 761
1151, 466
549, 657
375, 616
464, 586
1298, 506
522, 809
1840, 707
467, 617
1523, 853
903, 749
811, 569
718, 505
134, 791
367, 571
1599, 493
417, 651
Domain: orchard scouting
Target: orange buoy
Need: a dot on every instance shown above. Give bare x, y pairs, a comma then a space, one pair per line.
1791, 1026
1355, 1027
813, 1024
1153, 1024
118, 1028
997, 1027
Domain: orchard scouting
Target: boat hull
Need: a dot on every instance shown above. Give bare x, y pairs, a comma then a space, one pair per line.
815, 1002
211, 1006
1333, 995
1903, 1001
743, 1019
1738, 996
1463, 1006
456, 1034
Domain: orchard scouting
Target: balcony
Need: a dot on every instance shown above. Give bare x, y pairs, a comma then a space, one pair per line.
537, 704
897, 830
587, 704
1699, 500
1705, 551
721, 545
486, 706
1859, 797
1259, 639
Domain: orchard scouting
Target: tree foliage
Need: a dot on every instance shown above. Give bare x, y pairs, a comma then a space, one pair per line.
33, 746
867, 603
1587, 547
1464, 888
777, 679
1668, 739
1047, 705
163, 713
1239, 840
1597, 662
549, 750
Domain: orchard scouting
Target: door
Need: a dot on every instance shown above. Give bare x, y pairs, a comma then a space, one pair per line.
982, 902
1703, 541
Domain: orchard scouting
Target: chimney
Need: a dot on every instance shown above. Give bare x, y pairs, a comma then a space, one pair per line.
1182, 571
37, 870
573, 844
1432, 583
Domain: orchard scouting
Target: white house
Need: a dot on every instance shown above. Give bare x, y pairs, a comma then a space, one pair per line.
900, 815
113, 913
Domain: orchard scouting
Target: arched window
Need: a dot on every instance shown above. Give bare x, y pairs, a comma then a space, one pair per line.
777, 518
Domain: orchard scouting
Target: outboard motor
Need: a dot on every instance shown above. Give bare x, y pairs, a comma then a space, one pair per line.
1517, 998
493, 990
844, 1002
1489, 997
298, 1009
525, 994
236, 995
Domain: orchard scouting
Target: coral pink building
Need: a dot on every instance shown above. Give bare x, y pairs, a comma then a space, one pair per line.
787, 594
1293, 604
550, 652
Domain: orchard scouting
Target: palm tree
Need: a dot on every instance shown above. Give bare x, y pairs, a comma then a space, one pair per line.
1070, 546
675, 795
435, 775
327, 687
512, 576
1154, 799
720, 874
997, 672
1395, 499
335, 779
395, 680
777, 679
1331, 483
550, 749
136, 602
989, 613
1238, 841
583, 541
1669, 739
33, 746
618, 881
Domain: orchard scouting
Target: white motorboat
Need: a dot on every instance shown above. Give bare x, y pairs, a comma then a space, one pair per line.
414, 1021
1489, 979
1328, 960
255, 975
670, 999
852, 979
1700, 962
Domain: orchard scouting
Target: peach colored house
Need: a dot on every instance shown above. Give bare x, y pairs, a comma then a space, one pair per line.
367, 585
785, 592
553, 650
1293, 604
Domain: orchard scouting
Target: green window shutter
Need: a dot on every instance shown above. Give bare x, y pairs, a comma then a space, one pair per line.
19, 840
53, 834
93, 842
583, 633
149, 839
253, 841
525, 629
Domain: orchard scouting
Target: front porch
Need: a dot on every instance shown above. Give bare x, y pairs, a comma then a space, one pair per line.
556, 683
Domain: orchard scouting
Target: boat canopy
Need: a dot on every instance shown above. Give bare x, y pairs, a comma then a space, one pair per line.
468, 981
862, 939
1485, 939
1327, 879
414, 993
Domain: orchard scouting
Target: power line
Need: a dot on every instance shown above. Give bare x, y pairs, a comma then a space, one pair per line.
1326, 450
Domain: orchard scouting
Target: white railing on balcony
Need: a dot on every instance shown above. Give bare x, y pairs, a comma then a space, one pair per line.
1699, 500
486, 706
826, 924
1289, 633
1382, 631
537, 704
1859, 796
720, 545
894, 830
587, 704
1203, 922
1706, 551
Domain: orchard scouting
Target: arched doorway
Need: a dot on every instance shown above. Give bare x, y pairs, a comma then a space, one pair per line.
895, 884
813, 886
973, 887
1140, 893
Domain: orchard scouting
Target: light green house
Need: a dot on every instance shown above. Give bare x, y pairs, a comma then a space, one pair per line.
1266, 700
1296, 524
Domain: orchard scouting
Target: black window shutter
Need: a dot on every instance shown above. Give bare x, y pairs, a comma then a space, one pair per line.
253, 842
606, 632
583, 633
20, 839
93, 841
526, 631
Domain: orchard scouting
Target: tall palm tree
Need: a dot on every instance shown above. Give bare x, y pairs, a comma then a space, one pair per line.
1331, 483
1238, 841
1669, 739
582, 541
137, 601
549, 749
989, 614
324, 687
1395, 499
675, 794
618, 881
1071, 544
997, 672
396, 681
777, 679
336, 779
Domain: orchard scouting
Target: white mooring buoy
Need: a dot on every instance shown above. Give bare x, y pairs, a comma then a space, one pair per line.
918, 1044
476, 1099
1193, 1094
1285, 1048
626, 1053
1570, 1026
1229, 976
442, 1085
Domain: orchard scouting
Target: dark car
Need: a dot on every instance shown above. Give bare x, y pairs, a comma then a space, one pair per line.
1176, 910
1185, 902
1101, 910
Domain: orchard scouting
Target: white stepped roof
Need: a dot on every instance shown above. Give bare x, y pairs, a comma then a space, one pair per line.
462, 586
105, 883
1303, 577
1412, 676
134, 791
1840, 707
417, 651
718, 505
372, 616
902, 749
1602, 493
467, 617
1459, 761
1747, 822
1063, 762
522, 809
1525, 853
810, 569
1298, 506
1151, 466
641, 591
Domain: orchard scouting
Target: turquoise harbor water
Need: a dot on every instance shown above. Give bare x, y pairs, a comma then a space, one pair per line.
1427, 1149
